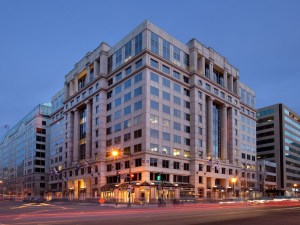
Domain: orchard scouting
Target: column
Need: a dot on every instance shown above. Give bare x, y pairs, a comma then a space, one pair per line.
209, 134
103, 63
202, 66
67, 91
230, 83
194, 61
88, 130
225, 79
96, 68
211, 70
75, 88
224, 133
76, 136
88, 74
71, 89
70, 142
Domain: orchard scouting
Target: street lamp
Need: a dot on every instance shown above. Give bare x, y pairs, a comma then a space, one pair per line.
295, 187
233, 180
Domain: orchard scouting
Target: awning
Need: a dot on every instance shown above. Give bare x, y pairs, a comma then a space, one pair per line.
108, 187
185, 185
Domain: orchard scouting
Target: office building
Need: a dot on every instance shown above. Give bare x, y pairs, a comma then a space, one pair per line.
24, 155
278, 141
171, 110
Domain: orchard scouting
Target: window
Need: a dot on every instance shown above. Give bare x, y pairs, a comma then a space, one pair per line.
128, 70
176, 152
154, 77
154, 133
177, 113
187, 141
207, 87
166, 122
154, 91
154, 63
166, 109
187, 129
118, 57
153, 119
153, 162
127, 123
166, 82
186, 166
166, 69
165, 163
137, 119
138, 105
138, 78
127, 137
138, 133
166, 96
187, 116
127, 84
222, 95
177, 139
166, 136
166, 50
117, 127
154, 147
139, 63
118, 76
118, 140
127, 97
176, 165
118, 115
154, 105
137, 148
176, 75
137, 91
187, 104
109, 94
118, 102
186, 79
154, 43
176, 87
177, 126
138, 43
176, 100
127, 50
138, 162
127, 110
118, 89
166, 150
176, 54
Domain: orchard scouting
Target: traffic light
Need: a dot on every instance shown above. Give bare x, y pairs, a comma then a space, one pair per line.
158, 177
131, 176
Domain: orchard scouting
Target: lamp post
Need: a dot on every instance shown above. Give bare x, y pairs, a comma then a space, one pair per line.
295, 187
233, 180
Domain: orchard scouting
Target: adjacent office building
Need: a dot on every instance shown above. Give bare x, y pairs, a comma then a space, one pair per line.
24, 155
176, 113
278, 140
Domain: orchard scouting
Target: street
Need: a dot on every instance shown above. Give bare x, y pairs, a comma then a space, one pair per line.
192, 214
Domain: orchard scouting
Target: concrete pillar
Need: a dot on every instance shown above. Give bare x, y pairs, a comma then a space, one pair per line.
88, 74
194, 61
75, 88
103, 63
88, 130
225, 79
209, 134
224, 133
71, 89
67, 90
70, 139
76, 136
211, 70
230, 83
202, 66
96, 68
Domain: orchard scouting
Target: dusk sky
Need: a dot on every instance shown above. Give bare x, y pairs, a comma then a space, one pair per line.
40, 41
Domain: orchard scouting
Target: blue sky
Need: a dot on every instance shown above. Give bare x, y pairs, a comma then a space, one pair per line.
40, 41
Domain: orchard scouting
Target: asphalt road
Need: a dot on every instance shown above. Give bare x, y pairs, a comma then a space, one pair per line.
241, 214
